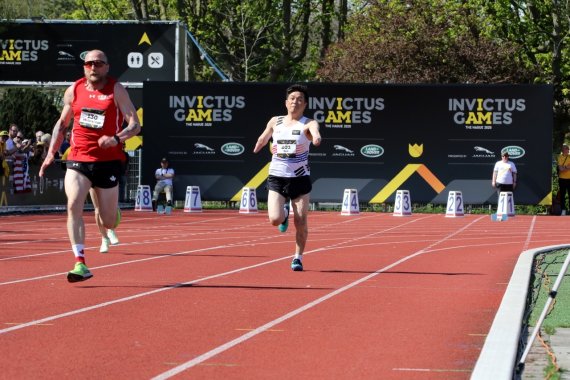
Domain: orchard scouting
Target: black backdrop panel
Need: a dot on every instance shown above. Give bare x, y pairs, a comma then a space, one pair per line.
429, 139
54, 52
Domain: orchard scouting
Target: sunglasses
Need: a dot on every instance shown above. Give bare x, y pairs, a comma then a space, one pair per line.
96, 64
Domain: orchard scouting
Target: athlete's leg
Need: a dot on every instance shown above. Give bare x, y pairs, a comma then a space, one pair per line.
275, 211
98, 220
108, 205
76, 189
300, 216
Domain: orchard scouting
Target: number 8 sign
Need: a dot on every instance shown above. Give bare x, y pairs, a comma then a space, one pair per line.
144, 200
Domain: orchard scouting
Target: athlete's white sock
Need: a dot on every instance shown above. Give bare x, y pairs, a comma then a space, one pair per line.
78, 250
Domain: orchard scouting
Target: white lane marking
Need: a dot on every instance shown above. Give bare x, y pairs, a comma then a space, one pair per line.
226, 346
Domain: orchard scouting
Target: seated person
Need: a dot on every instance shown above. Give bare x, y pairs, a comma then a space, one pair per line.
163, 176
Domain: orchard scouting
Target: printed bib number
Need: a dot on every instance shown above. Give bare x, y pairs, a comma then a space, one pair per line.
92, 118
286, 148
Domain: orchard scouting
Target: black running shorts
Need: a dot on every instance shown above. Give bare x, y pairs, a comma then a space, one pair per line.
104, 175
292, 187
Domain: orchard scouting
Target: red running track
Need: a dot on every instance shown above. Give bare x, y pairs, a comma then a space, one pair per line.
212, 296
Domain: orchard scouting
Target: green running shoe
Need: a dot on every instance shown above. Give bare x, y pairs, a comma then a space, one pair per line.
79, 273
118, 220
283, 226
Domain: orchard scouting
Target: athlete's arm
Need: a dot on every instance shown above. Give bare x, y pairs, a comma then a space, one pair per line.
125, 105
313, 133
60, 128
265, 135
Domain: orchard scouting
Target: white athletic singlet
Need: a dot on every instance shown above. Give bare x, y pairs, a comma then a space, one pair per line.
290, 150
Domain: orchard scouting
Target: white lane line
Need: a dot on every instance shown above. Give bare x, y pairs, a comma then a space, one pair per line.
120, 300
124, 299
233, 245
226, 346
529, 234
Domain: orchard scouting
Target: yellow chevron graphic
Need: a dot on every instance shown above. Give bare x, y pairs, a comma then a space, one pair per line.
546, 201
402, 176
254, 182
136, 141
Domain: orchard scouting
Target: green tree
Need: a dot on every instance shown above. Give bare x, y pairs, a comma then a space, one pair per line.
255, 40
425, 42
47, 9
541, 29
467, 41
30, 108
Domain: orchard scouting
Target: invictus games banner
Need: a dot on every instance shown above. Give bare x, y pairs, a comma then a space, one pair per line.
428, 139
54, 51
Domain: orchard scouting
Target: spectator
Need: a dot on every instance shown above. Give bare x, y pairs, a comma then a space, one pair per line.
23, 144
163, 176
39, 135
4, 168
563, 177
38, 153
20, 165
3, 139
504, 174
10, 146
65, 144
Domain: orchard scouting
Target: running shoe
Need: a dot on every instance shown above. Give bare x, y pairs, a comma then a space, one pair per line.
118, 219
79, 273
104, 245
283, 226
297, 265
113, 239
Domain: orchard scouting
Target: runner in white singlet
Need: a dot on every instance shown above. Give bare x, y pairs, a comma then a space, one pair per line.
289, 175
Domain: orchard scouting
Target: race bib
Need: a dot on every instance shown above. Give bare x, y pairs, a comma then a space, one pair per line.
92, 118
286, 148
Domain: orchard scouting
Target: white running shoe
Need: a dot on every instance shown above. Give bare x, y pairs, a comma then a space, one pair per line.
104, 245
112, 237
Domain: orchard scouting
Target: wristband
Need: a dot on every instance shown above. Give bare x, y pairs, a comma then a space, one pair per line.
117, 139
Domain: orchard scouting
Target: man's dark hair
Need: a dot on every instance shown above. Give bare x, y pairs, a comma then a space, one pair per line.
298, 87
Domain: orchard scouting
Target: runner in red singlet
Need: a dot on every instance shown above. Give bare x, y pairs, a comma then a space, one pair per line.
99, 105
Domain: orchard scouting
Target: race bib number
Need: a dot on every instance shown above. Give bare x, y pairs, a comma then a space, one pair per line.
92, 118
286, 148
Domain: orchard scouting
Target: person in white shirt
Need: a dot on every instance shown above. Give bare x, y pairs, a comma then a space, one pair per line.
164, 176
504, 174
289, 174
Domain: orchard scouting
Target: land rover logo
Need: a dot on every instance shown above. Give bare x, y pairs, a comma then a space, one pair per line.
232, 149
513, 151
372, 151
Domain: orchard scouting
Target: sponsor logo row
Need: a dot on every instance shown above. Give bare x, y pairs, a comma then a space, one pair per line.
237, 149
514, 152
369, 151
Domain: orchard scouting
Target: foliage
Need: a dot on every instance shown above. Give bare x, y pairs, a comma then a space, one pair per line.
48, 9
472, 41
378, 41
541, 29
256, 40
427, 42
31, 109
